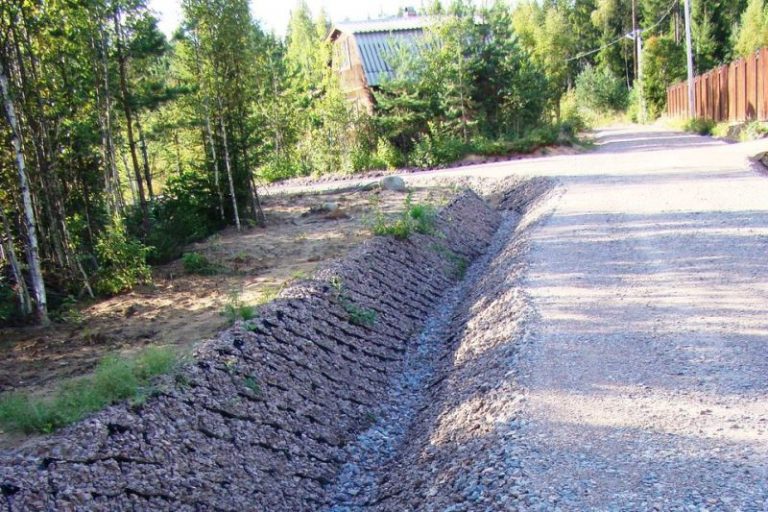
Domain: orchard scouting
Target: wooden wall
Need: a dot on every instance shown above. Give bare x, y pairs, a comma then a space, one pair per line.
349, 66
736, 92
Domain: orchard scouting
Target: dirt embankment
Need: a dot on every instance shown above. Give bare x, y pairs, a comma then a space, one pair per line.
260, 420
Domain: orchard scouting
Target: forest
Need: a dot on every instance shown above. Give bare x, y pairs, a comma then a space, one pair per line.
120, 145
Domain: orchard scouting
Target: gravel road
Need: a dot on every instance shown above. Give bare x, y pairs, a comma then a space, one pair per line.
610, 355
646, 371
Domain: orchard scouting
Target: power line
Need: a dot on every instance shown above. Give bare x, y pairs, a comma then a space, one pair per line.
619, 39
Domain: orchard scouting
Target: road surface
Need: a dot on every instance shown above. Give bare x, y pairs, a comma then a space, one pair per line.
647, 376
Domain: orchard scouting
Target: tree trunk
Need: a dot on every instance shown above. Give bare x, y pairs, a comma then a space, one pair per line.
22, 292
33, 255
209, 132
111, 173
144, 158
228, 165
129, 121
212, 145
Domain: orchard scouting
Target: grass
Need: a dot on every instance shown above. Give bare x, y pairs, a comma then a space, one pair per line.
743, 132
115, 379
416, 217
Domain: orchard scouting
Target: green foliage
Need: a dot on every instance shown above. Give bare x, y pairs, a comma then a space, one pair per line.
437, 147
279, 169
196, 263
416, 217
357, 315
700, 126
755, 130
8, 303
235, 309
634, 108
664, 65
68, 311
360, 316
252, 384
186, 213
114, 379
122, 261
597, 89
572, 118
752, 32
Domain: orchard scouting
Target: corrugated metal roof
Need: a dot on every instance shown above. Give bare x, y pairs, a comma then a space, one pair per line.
386, 25
376, 38
376, 48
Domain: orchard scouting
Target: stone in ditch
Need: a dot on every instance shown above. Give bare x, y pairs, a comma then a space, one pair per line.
393, 183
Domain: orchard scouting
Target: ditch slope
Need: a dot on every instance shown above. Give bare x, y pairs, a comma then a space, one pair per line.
264, 417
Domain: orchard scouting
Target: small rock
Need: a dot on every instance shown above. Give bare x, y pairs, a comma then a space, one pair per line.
393, 183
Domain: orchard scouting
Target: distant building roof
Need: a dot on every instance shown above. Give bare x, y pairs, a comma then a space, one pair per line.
386, 24
375, 40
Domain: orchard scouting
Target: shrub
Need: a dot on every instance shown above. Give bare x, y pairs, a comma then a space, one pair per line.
598, 90
388, 154
122, 261
187, 212
437, 147
114, 379
486, 147
571, 118
279, 169
700, 126
196, 263
664, 65
634, 108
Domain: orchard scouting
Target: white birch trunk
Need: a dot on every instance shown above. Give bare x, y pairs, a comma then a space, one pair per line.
33, 253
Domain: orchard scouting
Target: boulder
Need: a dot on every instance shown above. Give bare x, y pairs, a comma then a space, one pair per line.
393, 183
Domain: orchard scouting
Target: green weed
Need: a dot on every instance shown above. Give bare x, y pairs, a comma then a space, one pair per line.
358, 316
235, 309
252, 384
416, 217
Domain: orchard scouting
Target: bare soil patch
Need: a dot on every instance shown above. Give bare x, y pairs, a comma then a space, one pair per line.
182, 309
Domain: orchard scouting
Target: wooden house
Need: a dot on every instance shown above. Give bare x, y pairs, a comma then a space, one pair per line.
361, 51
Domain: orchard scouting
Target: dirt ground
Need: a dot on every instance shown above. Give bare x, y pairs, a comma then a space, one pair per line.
181, 309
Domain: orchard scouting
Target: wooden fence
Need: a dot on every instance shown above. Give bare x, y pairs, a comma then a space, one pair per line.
736, 92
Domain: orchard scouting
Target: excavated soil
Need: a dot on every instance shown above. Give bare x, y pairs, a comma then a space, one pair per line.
270, 415
182, 309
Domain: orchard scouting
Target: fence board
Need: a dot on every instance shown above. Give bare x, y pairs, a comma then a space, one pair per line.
735, 92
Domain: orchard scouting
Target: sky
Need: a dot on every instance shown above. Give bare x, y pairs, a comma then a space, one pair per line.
274, 14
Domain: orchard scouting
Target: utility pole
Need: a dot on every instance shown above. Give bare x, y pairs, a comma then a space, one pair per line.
689, 50
639, 40
635, 53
